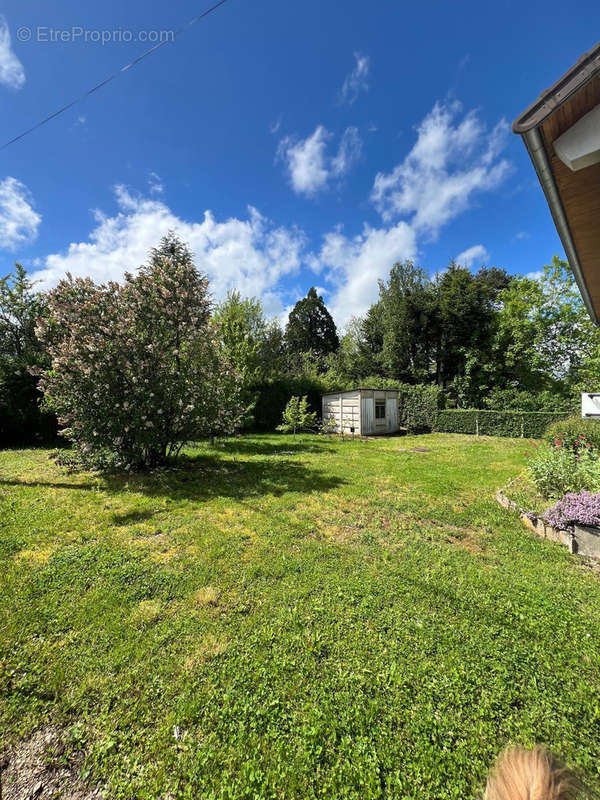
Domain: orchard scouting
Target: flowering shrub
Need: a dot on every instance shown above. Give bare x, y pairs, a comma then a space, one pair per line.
556, 470
582, 508
137, 369
574, 434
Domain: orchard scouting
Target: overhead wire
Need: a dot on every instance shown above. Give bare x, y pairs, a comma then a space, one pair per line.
114, 75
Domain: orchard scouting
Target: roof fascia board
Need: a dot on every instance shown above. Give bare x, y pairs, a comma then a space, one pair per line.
537, 153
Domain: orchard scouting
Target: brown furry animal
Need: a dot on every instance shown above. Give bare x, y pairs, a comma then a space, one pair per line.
536, 774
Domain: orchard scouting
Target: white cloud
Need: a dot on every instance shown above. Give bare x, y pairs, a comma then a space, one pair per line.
535, 275
250, 254
450, 162
19, 221
355, 264
155, 183
12, 73
356, 81
348, 152
306, 161
309, 165
477, 254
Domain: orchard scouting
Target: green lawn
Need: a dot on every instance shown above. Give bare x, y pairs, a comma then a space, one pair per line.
320, 618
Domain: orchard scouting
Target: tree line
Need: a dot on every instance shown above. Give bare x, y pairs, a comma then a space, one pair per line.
488, 339
155, 354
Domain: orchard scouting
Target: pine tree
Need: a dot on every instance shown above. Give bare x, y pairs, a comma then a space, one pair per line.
310, 327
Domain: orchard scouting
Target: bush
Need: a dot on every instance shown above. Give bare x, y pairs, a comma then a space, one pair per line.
297, 416
556, 470
582, 508
574, 433
520, 400
22, 421
418, 406
453, 421
272, 396
137, 370
530, 424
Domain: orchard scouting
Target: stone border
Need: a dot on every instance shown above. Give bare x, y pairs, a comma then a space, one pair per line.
535, 523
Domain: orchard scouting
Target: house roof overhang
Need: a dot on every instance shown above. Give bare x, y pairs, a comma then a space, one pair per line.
573, 196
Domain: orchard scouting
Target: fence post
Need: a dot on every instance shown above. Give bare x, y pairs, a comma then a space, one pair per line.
522, 427
476, 424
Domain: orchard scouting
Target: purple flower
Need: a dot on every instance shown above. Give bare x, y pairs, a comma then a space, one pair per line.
582, 508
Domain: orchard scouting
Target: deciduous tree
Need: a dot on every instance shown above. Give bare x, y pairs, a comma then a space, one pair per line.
297, 416
137, 368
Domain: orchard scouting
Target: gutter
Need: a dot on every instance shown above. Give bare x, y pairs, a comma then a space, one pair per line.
549, 100
537, 153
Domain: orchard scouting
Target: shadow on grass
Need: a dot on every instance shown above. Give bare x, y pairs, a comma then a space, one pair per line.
132, 517
202, 477
256, 447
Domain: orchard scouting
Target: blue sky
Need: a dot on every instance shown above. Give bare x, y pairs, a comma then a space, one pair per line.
290, 144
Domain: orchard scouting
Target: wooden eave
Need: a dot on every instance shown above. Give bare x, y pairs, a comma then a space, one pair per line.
573, 197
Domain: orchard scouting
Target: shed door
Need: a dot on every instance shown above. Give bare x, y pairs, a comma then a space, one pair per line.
391, 414
367, 414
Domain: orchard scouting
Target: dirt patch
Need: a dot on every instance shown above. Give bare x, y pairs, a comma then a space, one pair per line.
44, 768
466, 538
468, 541
340, 534
211, 647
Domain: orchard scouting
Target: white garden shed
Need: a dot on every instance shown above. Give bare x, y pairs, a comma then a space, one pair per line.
366, 412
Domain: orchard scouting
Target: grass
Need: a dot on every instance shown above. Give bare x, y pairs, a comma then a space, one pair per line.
313, 618
525, 494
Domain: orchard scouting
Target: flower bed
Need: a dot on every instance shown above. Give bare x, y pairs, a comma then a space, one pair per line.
536, 522
574, 521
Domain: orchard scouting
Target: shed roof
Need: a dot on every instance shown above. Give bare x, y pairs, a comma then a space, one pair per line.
573, 196
360, 389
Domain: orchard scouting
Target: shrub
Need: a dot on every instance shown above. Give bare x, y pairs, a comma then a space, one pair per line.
21, 419
582, 508
137, 370
272, 396
520, 400
574, 434
556, 470
297, 416
530, 424
418, 406
453, 421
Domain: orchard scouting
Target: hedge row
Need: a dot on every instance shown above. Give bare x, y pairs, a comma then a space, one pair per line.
271, 398
530, 424
418, 406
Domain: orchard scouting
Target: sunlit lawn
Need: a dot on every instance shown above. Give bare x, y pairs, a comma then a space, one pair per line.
319, 618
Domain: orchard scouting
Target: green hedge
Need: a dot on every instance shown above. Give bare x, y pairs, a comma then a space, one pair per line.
272, 397
418, 406
530, 424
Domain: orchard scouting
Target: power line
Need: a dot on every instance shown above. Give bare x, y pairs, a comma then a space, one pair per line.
112, 77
